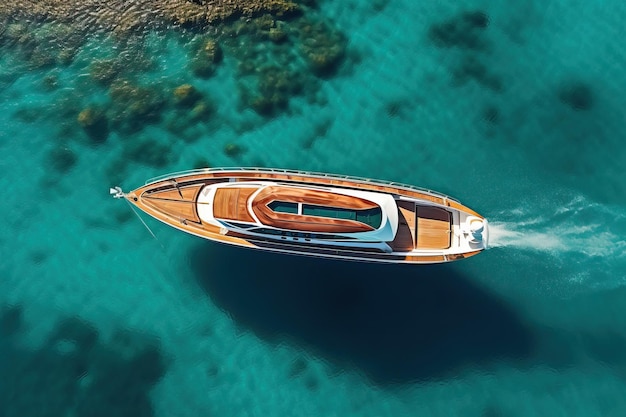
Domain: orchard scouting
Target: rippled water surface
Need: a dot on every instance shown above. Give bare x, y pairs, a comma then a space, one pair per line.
516, 110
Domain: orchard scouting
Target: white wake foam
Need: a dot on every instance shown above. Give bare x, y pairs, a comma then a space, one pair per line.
581, 226
504, 234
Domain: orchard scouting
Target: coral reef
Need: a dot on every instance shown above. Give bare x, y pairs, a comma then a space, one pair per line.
276, 50
123, 16
278, 59
104, 71
276, 86
322, 47
40, 46
191, 109
134, 106
206, 58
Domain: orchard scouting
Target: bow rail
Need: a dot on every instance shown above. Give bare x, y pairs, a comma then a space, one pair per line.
311, 174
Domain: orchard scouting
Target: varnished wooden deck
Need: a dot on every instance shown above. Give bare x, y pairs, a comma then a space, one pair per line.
231, 203
178, 201
433, 228
422, 227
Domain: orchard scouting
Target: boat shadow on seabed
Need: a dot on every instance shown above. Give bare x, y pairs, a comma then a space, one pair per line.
395, 323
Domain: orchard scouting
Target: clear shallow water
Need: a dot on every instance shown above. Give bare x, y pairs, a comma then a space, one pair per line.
521, 120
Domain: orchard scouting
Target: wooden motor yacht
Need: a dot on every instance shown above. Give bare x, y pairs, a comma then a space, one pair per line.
314, 214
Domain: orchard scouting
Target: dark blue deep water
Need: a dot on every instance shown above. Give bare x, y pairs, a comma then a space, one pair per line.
517, 110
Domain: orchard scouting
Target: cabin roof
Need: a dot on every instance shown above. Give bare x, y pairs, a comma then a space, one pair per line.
311, 222
298, 208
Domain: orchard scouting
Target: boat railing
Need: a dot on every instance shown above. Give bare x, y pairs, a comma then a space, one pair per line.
297, 172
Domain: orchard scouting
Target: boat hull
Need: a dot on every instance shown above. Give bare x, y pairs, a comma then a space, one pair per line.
433, 228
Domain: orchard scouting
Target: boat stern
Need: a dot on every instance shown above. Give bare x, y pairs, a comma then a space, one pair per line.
486, 233
473, 233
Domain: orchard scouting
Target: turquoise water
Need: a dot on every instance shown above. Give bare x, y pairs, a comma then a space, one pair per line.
517, 111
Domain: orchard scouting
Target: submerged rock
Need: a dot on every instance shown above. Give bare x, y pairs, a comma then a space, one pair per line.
75, 373
212, 51
10, 320
41, 58
577, 95
201, 163
277, 35
94, 122
89, 117
50, 82
206, 59
491, 114
191, 109
233, 150
275, 87
148, 151
463, 31
471, 67
186, 95
75, 331
62, 159
201, 110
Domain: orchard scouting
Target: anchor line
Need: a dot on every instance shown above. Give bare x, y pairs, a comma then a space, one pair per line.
117, 192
